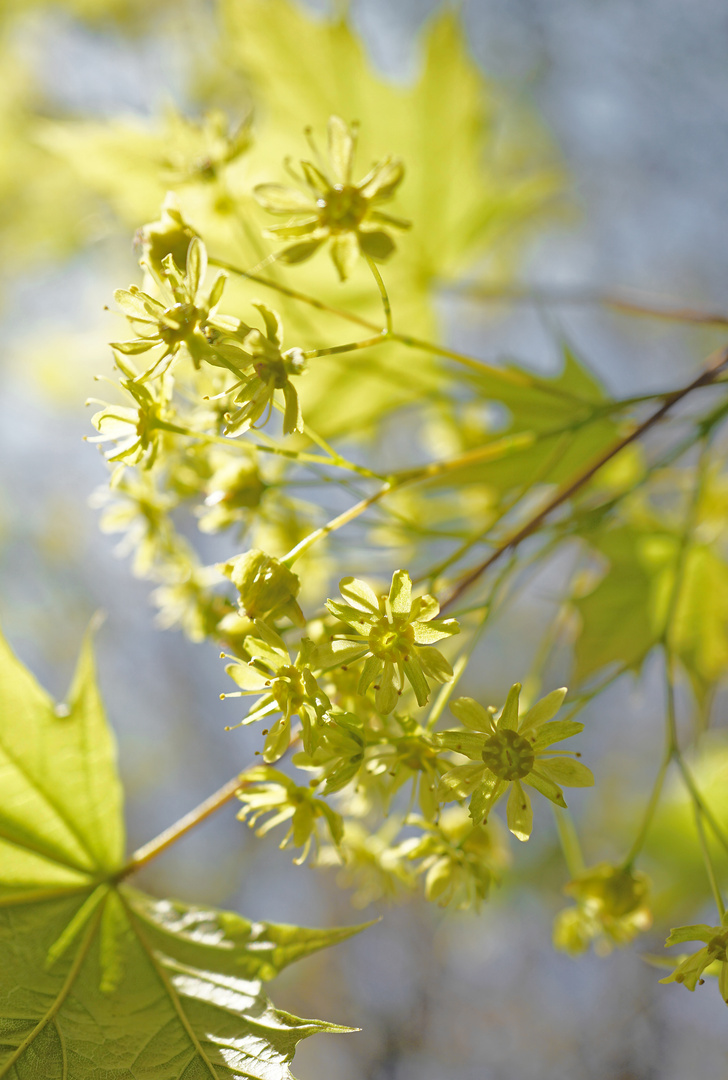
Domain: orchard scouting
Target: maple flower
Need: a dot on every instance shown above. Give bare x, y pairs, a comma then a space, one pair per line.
508, 752
272, 369
265, 790
135, 429
690, 970
282, 686
395, 634
266, 588
335, 208
612, 908
181, 317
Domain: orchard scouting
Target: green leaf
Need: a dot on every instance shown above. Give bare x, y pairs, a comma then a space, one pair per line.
97, 978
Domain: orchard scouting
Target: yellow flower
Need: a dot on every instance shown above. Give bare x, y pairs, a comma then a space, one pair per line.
395, 634
508, 752
334, 207
612, 908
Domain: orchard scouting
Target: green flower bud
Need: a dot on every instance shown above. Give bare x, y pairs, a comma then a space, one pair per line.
267, 588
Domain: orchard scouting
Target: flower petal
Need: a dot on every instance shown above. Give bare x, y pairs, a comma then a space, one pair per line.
461, 781
280, 199
381, 182
196, 266
554, 732
486, 796
387, 693
473, 715
546, 786
400, 593
341, 149
297, 253
376, 244
519, 812
566, 771
697, 932
461, 742
332, 654
358, 595
344, 253
434, 664
416, 678
426, 633
508, 719
544, 710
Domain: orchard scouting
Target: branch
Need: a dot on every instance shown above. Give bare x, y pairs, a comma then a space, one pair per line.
155, 847
708, 375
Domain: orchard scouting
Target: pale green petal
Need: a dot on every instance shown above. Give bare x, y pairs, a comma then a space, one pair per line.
371, 669
554, 732
332, 654
425, 608
341, 149
566, 771
427, 633
297, 253
387, 694
315, 179
279, 199
246, 677
472, 715
460, 781
278, 740
400, 593
272, 320
546, 786
543, 710
508, 719
415, 675
344, 252
358, 595
376, 244
350, 616
434, 664
461, 742
696, 932
196, 265
292, 417
485, 796
381, 183
519, 812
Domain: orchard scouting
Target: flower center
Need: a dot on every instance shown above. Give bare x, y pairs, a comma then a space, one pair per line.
288, 689
187, 316
271, 370
717, 946
508, 755
343, 208
391, 641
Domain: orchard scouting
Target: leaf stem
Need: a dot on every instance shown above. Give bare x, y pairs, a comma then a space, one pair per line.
155, 847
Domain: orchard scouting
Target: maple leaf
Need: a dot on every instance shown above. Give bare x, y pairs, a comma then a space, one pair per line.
95, 976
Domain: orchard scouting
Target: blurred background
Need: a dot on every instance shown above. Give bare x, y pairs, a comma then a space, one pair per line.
635, 96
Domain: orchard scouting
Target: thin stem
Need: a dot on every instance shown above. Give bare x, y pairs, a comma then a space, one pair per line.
502, 375
350, 346
714, 366
384, 295
155, 847
709, 865
569, 841
538, 295
649, 814
489, 452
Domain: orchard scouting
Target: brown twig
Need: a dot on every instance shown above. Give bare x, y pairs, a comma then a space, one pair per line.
712, 369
